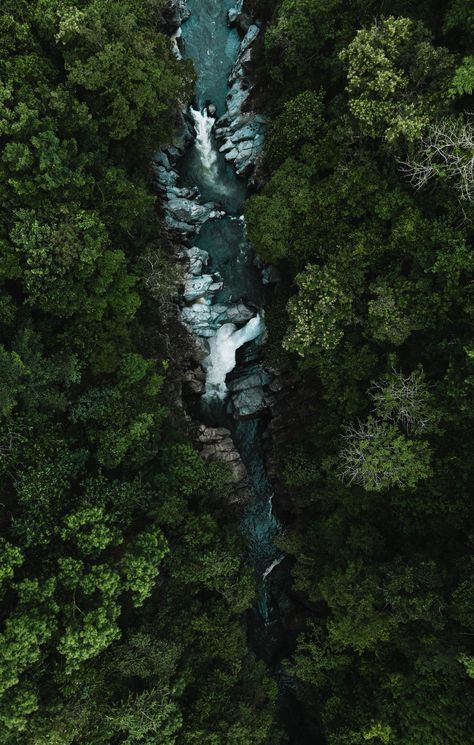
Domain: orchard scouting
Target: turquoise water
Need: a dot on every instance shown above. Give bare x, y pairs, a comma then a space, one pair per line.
214, 47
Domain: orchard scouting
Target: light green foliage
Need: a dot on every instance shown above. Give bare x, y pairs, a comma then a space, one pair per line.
387, 65
10, 558
149, 715
141, 563
319, 312
89, 530
378, 456
91, 633
463, 80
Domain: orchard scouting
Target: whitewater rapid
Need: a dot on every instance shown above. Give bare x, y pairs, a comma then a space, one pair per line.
222, 356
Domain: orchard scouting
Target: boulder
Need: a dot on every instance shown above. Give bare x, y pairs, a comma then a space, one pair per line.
198, 258
189, 211
175, 13
197, 287
204, 319
248, 403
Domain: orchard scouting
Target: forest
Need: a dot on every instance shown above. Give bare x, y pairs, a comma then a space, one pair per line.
368, 210
123, 583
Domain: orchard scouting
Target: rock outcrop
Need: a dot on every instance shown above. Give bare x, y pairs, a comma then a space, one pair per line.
217, 446
241, 132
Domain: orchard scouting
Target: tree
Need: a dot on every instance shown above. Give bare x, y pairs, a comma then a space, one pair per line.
319, 312
388, 64
378, 456
446, 152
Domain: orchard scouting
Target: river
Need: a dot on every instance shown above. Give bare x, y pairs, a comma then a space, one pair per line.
233, 344
213, 48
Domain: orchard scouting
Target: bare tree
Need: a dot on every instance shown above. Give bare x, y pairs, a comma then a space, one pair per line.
404, 400
447, 150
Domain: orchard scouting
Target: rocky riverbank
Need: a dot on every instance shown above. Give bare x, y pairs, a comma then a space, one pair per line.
251, 389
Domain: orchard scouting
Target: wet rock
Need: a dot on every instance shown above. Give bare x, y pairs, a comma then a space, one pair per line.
217, 446
249, 391
175, 13
204, 319
249, 403
249, 38
235, 99
242, 133
239, 314
197, 287
236, 18
253, 377
198, 259
194, 382
189, 211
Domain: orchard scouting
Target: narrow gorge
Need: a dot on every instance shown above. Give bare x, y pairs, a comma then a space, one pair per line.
204, 179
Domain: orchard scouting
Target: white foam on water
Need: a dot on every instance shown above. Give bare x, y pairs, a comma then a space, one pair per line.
272, 566
174, 44
222, 356
203, 124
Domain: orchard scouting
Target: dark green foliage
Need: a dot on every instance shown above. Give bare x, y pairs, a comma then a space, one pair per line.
379, 327
122, 586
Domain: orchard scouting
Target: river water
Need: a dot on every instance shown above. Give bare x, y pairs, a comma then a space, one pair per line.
213, 48
207, 40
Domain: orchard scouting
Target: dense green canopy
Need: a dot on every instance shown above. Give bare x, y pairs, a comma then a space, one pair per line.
121, 580
368, 210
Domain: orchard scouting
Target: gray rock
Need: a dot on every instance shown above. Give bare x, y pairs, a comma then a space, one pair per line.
197, 287
189, 211
236, 98
239, 314
177, 226
217, 446
198, 258
250, 37
254, 377
166, 179
232, 154
248, 403
175, 13
194, 382
161, 159
204, 319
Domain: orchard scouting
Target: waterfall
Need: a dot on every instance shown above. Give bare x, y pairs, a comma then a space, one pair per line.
222, 356
203, 124
174, 44
272, 566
